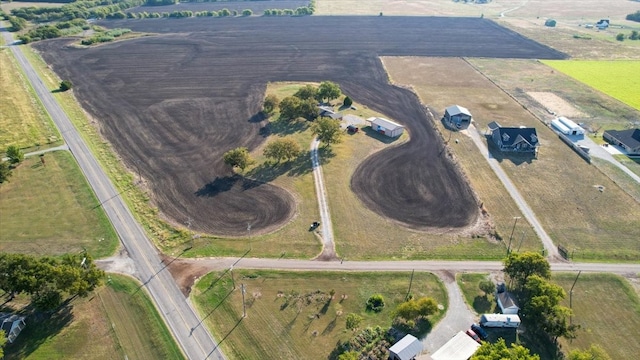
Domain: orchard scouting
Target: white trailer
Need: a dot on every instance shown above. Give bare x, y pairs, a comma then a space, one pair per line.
500, 320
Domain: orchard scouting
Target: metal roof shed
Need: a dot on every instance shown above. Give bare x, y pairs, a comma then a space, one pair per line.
386, 127
460, 347
407, 348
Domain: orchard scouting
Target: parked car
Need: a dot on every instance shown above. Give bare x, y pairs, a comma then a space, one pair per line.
474, 336
314, 225
479, 331
352, 129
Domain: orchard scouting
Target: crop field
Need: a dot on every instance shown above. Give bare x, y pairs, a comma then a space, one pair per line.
23, 121
219, 111
49, 209
298, 315
616, 326
618, 79
116, 321
558, 185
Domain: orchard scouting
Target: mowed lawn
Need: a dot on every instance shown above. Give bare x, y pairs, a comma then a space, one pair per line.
49, 209
608, 311
480, 302
118, 321
23, 121
559, 186
619, 79
291, 315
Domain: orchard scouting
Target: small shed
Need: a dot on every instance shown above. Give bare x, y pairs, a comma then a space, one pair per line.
458, 116
507, 303
406, 349
566, 126
629, 140
386, 127
12, 325
460, 347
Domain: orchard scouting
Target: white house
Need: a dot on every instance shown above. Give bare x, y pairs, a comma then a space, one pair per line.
406, 349
386, 127
566, 126
507, 303
460, 347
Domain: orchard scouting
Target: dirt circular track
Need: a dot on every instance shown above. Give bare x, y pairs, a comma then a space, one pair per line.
172, 104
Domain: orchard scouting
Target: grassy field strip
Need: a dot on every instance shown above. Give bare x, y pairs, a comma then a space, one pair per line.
23, 120
413, 8
475, 298
140, 331
618, 79
560, 186
608, 310
292, 315
49, 209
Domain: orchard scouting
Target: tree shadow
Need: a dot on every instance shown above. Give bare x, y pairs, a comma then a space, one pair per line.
516, 158
330, 326
257, 117
268, 171
218, 186
41, 327
283, 127
482, 305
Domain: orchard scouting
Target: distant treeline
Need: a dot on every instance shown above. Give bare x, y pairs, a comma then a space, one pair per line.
49, 1
97, 9
634, 17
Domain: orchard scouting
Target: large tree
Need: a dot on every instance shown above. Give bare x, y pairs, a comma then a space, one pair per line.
415, 309
282, 149
328, 91
327, 130
238, 157
519, 266
14, 154
5, 171
270, 104
307, 92
308, 109
500, 351
542, 307
289, 107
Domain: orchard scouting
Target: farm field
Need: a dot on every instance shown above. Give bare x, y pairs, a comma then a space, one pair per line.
257, 7
116, 321
558, 185
292, 315
50, 210
179, 155
23, 121
616, 326
618, 79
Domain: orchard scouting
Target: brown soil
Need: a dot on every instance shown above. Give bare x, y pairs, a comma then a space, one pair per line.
177, 102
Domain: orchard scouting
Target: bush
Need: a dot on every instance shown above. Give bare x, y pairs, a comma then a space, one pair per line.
347, 102
634, 17
620, 37
65, 85
14, 154
550, 23
375, 303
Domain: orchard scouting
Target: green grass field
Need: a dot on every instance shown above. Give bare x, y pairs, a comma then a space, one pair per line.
50, 210
607, 309
475, 298
290, 315
23, 121
115, 322
618, 79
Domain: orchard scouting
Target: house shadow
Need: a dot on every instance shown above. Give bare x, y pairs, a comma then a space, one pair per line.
453, 127
517, 158
376, 135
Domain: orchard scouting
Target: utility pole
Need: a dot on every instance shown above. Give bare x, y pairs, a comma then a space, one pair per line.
571, 297
410, 283
233, 282
521, 240
516, 218
244, 306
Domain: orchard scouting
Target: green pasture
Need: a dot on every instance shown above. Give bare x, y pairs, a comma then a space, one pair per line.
117, 321
292, 315
49, 209
619, 79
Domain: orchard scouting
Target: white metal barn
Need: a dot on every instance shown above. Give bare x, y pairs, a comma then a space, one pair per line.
386, 127
406, 349
460, 347
566, 126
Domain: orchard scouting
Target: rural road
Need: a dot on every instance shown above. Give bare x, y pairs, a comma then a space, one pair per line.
328, 246
552, 251
195, 341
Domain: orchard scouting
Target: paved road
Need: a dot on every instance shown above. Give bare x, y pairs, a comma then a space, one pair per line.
328, 246
598, 151
551, 249
195, 341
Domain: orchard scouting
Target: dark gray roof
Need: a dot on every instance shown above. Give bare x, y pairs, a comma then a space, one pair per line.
513, 136
631, 138
507, 300
493, 125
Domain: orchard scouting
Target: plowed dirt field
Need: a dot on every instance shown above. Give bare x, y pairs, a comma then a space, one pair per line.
177, 101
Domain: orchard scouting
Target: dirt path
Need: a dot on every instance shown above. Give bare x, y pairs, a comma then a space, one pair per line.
328, 245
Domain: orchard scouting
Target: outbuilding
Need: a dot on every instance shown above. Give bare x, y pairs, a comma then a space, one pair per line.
500, 320
406, 349
12, 325
458, 116
629, 140
566, 126
460, 347
386, 127
507, 303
